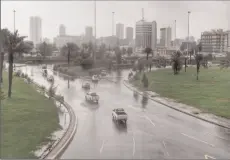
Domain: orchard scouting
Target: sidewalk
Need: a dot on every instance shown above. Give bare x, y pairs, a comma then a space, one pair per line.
186, 109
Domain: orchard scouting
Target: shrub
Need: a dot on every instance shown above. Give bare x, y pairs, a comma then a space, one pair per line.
2, 96
52, 90
23, 75
145, 81
60, 98
87, 63
136, 76
26, 76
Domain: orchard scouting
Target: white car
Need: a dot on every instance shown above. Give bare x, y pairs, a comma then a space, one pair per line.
92, 97
119, 115
103, 73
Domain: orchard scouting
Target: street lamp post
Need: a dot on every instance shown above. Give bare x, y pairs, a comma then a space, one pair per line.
188, 36
113, 23
94, 54
14, 19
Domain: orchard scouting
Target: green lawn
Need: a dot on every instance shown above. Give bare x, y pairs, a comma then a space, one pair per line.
211, 93
27, 120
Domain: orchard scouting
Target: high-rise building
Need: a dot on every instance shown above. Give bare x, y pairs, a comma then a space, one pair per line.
88, 34
169, 37
215, 41
62, 30
129, 34
163, 34
120, 31
36, 30
166, 37
146, 34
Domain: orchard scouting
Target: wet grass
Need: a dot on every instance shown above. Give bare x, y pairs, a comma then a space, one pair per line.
27, 120
210, 93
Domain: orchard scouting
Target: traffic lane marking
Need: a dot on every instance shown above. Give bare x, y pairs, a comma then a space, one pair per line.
217, 136
149, 120
208, 157
102, 146
165, 148
134, 146
197, 139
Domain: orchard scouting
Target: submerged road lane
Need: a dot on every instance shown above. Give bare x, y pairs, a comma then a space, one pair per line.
153, 130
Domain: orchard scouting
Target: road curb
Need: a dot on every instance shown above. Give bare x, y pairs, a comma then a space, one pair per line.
57, 150
220, 125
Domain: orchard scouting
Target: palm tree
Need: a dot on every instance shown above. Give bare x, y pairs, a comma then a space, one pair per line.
14, 42
4, 37
147, 51
199, 58
70, 48
176, 62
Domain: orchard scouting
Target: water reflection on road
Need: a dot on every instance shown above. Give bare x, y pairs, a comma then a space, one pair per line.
99, 137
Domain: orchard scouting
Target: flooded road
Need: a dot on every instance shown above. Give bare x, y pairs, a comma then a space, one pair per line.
153, 131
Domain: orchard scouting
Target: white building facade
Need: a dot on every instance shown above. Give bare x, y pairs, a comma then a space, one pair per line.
36, 30
120, 31
146, 34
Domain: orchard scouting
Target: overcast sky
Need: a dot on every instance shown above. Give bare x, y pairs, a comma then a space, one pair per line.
75, 15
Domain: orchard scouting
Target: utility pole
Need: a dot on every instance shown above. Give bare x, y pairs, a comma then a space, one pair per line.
188, 35
113, 23
175, 29
94, 54
14, 19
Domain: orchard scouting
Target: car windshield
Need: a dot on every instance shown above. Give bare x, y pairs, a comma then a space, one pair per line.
115, 79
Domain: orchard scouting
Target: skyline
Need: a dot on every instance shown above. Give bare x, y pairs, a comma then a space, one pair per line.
211, 14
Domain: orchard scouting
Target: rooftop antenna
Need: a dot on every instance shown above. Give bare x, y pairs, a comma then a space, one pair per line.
142, 13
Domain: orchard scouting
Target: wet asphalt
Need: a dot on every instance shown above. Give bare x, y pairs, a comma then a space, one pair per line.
153, 131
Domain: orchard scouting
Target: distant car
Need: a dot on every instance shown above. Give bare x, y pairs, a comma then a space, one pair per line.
50, 78
44, 67
103, 73
119, 114
92, 97
44, 73
209, 64
95, 78
86, 85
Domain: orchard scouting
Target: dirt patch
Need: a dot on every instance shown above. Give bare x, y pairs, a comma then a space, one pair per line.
223, 100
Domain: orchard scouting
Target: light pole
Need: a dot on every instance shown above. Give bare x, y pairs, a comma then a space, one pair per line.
188, 36
113, 23
94, 54
14, 19
175, 29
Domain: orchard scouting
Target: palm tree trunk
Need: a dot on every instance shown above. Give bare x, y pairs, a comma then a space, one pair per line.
68, 56
11, 60
185, 65
1, 66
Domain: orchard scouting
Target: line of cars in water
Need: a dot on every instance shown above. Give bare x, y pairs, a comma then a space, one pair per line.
118, 114
50, 78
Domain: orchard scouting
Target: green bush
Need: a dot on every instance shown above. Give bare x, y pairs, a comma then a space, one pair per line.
87, 63
26, 76
145, 81
23, 75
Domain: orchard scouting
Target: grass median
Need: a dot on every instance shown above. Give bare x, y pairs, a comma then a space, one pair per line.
27, 120
210, 93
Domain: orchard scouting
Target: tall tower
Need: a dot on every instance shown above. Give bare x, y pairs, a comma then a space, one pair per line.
62, 30
36, 30
120, 31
